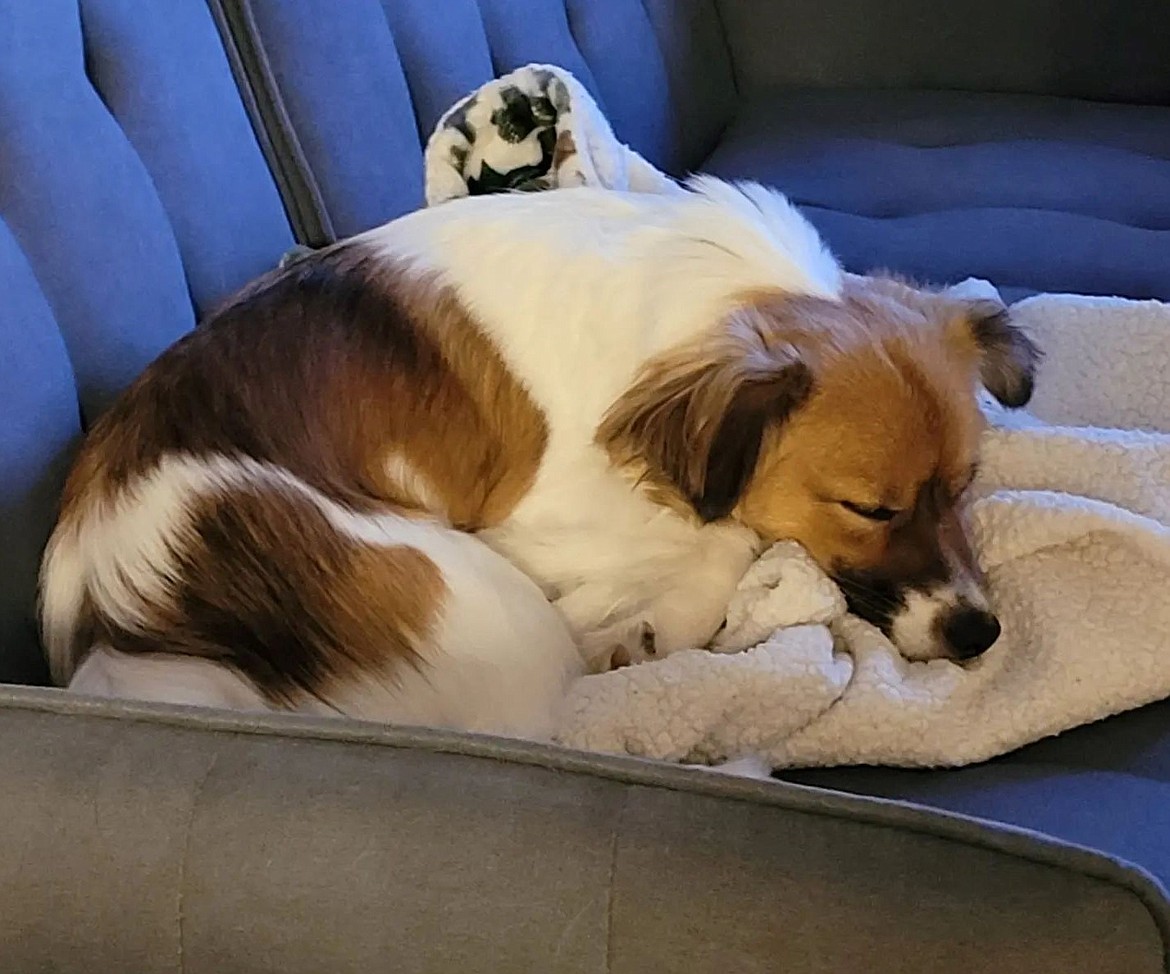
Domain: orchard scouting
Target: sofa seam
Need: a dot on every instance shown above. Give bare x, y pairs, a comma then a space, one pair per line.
599, 98
922, 146
271, 121
721, 20
675, 98
423, 137
949, 210
611, 888
196, 796
738, 102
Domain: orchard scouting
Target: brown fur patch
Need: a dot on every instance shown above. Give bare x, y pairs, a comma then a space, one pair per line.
368, 383
692, 423
267, 587
565, 148
331, 368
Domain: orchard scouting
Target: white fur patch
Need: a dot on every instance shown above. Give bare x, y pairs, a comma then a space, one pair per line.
770, 235
913, 629
413, 484
121, 554
577, 289
502, 660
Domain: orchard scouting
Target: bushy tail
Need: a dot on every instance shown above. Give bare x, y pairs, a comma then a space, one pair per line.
112, 556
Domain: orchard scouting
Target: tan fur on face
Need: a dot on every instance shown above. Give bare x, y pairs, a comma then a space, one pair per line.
798, 412
893, 414
869, 474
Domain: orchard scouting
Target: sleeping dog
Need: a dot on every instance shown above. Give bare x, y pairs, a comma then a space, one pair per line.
434, 472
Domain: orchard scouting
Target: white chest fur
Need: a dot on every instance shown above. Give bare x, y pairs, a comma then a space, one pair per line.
607, 555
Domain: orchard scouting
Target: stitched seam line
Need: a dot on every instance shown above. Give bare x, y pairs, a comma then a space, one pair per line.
721, 19
695, 161
679, 159
581, 54
611, 892
271, 122
991, 208
196, 795
423, 137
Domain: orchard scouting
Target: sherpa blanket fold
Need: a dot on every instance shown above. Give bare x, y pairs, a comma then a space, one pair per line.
1071, 516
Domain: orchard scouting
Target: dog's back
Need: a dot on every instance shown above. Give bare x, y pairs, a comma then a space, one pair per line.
284, 495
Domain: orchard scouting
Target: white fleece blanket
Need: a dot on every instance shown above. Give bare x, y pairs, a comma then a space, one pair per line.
1072, 522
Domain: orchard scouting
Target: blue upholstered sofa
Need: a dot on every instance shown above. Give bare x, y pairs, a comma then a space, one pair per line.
156, 154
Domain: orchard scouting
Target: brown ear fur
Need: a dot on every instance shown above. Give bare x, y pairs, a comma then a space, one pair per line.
1009, 357
695, 418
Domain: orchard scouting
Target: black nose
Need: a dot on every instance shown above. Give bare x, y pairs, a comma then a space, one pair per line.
969, 632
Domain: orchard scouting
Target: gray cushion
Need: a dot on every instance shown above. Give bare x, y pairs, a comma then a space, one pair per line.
290, 845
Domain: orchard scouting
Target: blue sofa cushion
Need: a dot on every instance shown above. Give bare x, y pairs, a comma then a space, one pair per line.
1034, 193
133, 196
37, 434
161, 72
1105, 785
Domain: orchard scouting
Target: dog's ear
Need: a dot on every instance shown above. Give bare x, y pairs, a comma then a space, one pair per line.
1008, 357
695, 418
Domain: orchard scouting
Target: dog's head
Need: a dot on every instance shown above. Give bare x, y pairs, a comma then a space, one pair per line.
851, 426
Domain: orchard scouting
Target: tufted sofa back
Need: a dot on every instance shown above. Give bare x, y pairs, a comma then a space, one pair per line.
156, 154
350, 91
133, 194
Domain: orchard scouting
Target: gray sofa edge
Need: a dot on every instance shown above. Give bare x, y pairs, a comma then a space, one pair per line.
246, 772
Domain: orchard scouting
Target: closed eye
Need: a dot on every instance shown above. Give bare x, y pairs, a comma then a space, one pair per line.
871, 513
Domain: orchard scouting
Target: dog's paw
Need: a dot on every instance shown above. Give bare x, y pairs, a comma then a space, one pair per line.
620, 644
